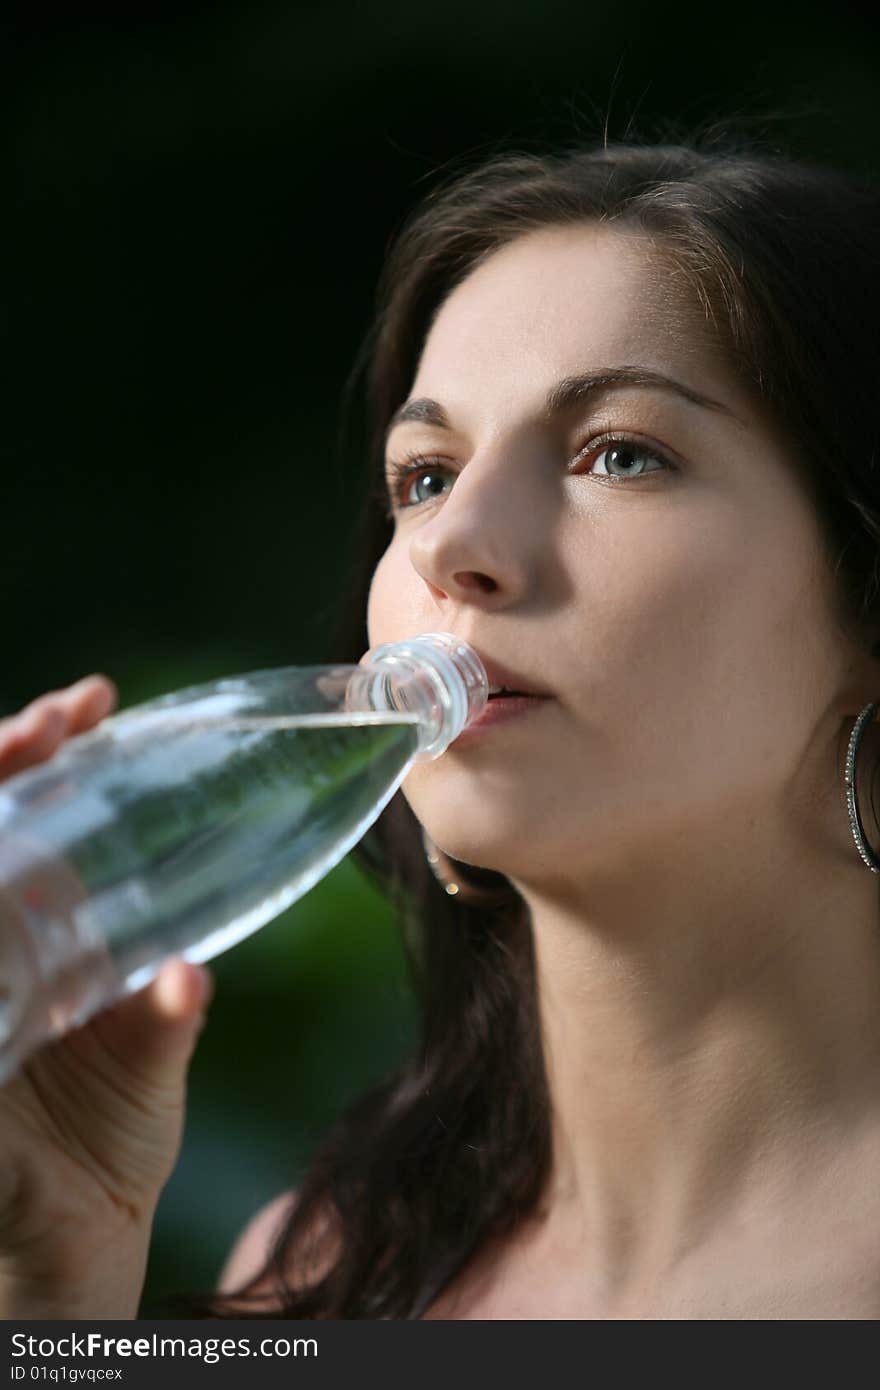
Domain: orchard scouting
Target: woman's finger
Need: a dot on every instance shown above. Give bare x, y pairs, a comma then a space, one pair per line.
83, 704
35, 733
30, 737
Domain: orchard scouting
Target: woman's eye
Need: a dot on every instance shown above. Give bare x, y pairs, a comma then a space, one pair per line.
426, 484
630, 458
413, 481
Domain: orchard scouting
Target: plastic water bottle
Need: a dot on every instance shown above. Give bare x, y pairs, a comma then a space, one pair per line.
180, 826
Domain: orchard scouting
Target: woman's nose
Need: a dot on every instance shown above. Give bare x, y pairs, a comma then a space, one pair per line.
482, 542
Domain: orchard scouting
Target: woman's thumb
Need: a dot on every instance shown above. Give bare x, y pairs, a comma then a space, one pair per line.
154, 1031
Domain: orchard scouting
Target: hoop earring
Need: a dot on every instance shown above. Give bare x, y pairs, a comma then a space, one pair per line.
855, 820
452, 881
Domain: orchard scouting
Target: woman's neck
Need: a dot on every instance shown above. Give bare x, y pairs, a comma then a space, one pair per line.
711, 1032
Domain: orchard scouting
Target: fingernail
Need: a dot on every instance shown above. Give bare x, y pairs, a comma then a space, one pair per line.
109, 686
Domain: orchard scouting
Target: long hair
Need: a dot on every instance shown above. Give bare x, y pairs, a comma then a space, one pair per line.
452, 1149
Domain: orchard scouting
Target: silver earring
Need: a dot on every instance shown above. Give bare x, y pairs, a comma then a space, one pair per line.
855, 820
453, 882
438, 864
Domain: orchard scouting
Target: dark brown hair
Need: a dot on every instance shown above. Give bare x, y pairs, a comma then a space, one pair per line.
454, 1147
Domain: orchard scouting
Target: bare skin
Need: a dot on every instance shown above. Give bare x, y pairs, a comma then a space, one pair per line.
675, 817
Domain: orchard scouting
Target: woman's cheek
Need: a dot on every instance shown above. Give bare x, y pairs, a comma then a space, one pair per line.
380, 616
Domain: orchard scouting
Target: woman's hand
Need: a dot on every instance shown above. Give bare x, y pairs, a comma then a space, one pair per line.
90, 1128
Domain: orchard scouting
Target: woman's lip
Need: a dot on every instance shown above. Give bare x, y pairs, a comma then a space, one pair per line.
500, 678
500, 710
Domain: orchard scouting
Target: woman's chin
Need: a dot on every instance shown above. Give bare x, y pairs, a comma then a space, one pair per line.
476, 852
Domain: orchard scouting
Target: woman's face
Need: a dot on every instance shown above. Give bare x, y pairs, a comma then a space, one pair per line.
671, 591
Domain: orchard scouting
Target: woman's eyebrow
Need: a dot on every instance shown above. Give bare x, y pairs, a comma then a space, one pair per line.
583, 389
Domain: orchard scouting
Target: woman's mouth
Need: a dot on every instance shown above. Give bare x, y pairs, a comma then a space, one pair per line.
501, 709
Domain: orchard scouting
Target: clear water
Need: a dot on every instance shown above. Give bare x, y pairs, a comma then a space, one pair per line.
179, 844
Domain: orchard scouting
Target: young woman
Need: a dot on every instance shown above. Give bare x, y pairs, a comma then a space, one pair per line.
626, 445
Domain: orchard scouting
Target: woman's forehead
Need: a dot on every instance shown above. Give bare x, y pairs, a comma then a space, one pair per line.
564, 300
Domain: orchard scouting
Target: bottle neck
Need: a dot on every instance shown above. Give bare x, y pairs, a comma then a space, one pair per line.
435, 676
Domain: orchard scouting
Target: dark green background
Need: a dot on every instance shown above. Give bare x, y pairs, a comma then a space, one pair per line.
196, 208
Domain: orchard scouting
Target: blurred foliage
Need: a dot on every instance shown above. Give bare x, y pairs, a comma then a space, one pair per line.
198, 200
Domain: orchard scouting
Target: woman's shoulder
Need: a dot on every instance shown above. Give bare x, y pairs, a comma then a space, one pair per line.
316, 1249
251, 1250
